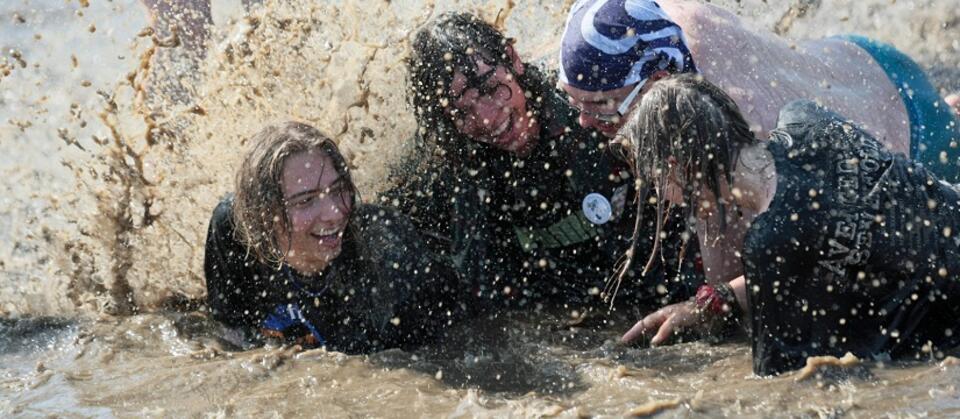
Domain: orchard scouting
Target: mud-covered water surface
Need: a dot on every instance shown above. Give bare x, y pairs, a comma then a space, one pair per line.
117, 145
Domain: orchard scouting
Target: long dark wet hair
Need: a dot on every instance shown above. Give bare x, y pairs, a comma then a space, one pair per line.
259, 208
452, 42
688, 120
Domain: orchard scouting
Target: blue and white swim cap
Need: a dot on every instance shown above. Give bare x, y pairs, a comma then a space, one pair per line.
608, 44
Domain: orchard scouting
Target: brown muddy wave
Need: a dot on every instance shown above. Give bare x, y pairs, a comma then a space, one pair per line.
119, 144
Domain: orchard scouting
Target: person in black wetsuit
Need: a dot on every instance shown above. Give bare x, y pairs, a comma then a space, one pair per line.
846, 247
526, 204
293, 255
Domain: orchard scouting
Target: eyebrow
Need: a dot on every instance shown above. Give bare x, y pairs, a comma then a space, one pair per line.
338, 180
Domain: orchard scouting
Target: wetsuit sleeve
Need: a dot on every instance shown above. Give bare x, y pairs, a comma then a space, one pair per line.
422, 193
451, 215
406, 297
229, 271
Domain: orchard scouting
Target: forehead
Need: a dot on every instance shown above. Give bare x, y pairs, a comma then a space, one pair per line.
307, 170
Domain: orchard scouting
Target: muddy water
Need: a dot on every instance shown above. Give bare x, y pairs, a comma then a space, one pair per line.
112, 166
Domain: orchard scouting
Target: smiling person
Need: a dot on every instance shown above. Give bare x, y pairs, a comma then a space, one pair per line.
294, 256
845, 245
525, 204
612, 51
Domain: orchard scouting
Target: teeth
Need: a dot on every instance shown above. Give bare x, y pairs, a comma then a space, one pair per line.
326, 232
502, 128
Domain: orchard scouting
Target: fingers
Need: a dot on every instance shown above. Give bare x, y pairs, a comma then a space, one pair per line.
644, 326
666, 329
665, 321
635, 332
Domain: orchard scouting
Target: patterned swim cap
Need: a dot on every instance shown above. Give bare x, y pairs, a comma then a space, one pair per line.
608, 44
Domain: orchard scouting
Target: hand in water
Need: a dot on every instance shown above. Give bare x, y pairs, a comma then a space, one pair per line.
665, 322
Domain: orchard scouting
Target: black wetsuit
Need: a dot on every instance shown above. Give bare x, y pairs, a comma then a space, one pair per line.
516, 229
380, 292
859, 250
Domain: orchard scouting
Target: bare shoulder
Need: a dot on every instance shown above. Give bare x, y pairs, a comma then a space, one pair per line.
694, 16
709, 29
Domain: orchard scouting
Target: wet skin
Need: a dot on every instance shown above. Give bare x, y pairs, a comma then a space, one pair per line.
763, 72
318, 202
598, 110
495, 112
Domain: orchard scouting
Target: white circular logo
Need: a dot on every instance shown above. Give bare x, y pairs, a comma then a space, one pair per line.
597, 208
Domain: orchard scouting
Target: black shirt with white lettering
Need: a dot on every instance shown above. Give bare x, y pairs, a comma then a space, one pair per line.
858, 251
380, 292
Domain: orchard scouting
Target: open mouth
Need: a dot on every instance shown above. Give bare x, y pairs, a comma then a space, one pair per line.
328, 237
494, 136
608, 129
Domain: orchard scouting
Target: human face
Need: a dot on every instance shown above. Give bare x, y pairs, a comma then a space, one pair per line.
607, 111
706, 201
598, 110
494, 112
318, 202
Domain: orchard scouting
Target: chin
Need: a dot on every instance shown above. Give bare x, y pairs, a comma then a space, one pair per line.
526, 148
609, 132
525, 142
319, 264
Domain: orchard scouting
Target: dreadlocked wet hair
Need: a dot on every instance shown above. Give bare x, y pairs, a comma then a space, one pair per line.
259, 208
689, 122
450, 43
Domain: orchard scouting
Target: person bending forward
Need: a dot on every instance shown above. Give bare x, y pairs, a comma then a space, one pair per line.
847, 247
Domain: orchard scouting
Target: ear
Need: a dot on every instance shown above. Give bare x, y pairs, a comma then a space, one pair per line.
517, 66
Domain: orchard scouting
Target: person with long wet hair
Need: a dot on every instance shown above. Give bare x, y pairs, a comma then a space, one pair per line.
612, 51
294, 256
524, 203
845, 246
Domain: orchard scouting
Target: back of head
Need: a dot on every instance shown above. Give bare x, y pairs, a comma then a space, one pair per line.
259, 208
692, 123
686, 127
609, 44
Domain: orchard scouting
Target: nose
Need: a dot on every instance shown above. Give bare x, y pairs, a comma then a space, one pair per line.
588, 121
327, 210
483, 114
332, 208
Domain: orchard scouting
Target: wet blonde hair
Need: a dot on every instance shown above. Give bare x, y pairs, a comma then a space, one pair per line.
696, 124
259, 209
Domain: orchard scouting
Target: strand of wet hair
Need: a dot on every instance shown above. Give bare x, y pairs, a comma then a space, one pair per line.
626, 260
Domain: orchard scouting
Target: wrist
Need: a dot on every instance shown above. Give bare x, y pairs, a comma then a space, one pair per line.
717, 305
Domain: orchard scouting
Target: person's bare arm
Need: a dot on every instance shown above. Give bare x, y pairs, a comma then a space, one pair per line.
719, 247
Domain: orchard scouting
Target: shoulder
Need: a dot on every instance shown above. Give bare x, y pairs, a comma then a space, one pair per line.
221, 221
695, 17
376, 226
371, 215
